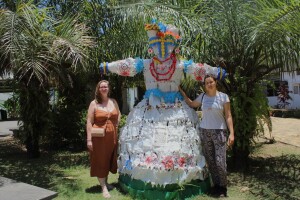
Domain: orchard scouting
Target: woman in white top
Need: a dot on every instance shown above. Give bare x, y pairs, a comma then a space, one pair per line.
216, 119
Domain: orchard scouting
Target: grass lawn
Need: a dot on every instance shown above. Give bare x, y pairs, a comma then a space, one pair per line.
274, 173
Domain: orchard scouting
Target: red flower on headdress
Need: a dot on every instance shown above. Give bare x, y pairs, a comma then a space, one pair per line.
160, 34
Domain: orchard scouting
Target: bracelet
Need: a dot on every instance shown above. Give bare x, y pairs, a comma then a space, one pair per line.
88, 140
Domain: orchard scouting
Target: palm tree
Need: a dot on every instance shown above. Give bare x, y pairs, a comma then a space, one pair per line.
40, 52
249, 38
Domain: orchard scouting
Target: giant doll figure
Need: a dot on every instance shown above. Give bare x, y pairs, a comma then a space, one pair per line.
160, 147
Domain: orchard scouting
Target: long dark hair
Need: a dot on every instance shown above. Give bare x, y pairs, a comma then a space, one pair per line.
98, 97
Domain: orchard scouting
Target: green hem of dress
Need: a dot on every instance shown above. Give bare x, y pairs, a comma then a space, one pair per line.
141, 190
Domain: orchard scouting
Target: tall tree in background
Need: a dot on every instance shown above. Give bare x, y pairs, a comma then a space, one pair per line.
40, 52
250, 39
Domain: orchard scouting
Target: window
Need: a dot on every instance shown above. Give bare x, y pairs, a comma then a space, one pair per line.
296, 89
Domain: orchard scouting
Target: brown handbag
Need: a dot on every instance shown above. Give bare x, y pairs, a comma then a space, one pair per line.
99, 132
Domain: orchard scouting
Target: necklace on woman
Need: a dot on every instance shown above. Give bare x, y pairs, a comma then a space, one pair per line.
162, 70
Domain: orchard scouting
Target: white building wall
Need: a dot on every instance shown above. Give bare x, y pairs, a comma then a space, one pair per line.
293, 81
273, 101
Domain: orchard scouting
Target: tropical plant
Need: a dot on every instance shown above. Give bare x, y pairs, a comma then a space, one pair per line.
12, 106
40, 52
250, 39
283, 96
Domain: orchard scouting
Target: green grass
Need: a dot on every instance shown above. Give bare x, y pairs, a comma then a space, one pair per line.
274, 173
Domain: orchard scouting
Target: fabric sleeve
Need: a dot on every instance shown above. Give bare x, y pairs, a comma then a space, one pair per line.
198, 71
127, 67
227, 98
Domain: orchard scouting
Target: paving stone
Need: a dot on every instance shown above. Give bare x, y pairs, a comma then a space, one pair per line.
14, 190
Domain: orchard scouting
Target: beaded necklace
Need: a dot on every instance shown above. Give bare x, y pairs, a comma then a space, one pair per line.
163, 76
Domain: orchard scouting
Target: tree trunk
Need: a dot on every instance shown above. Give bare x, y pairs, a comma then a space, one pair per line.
32, 146
34, 108
240, 159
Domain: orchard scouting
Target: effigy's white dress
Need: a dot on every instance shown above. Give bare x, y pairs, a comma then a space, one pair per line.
160, 143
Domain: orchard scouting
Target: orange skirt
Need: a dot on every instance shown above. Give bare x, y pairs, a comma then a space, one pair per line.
103, 158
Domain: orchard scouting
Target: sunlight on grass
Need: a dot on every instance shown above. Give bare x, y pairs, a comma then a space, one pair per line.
77, 184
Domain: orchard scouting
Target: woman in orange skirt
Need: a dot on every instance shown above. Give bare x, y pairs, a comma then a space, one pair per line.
103, 113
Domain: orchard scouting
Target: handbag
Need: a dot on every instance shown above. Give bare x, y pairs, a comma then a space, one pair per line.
99, 132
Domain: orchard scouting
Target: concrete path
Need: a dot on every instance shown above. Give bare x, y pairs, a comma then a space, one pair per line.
286, 130
5, 126
14, 190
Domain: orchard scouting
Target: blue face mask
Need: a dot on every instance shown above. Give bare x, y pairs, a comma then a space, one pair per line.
163, 47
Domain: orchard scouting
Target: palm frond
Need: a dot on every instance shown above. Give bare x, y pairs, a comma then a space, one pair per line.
72, 41
36, 46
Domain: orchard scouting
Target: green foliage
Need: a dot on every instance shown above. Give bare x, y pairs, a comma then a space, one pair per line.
68, 129
12, 106
250, 112
248, 38
69, 117
34, 107
191, 87
244, 38
82, 126
40, 52
285, 113
123, 121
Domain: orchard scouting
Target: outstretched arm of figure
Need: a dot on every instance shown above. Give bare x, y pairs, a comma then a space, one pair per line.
126, 67
198, 71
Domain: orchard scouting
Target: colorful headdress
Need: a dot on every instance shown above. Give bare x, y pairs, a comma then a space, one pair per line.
162, 36
160, 30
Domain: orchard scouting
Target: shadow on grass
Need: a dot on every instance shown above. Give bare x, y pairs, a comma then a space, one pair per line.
272, 177
97, 189
15, 165
277, 177
93, 189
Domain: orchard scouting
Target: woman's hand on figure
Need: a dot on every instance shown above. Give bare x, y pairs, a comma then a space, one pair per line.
182, 92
